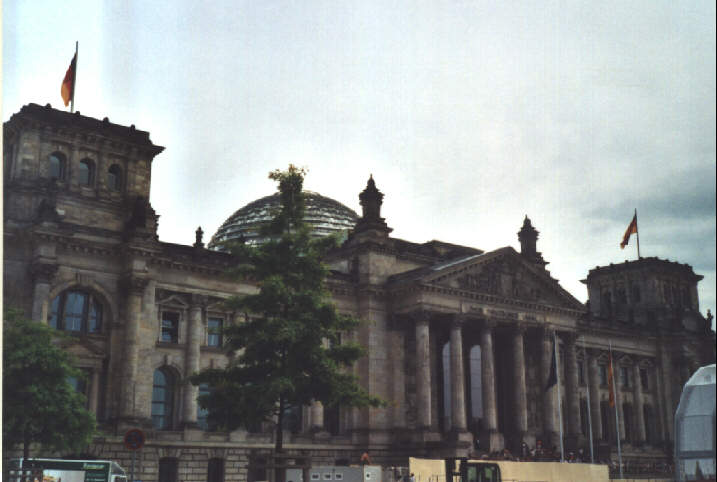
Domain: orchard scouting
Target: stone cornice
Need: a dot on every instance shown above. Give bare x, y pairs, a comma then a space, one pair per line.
486, 298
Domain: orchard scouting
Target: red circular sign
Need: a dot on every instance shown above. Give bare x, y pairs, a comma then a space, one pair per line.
134, 439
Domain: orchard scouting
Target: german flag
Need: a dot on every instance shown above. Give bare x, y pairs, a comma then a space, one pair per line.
68, 83
631, 229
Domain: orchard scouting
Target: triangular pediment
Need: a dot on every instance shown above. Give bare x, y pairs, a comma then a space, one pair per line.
502, 273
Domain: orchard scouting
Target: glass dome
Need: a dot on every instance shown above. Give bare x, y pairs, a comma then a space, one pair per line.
325, 215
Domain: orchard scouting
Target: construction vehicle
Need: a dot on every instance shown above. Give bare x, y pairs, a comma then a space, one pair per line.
465, 470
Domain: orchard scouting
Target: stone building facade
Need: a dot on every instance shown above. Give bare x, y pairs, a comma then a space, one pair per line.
459, 340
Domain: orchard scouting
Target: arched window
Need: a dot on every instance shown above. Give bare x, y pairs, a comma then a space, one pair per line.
203, 413
114, 178
86, 172
57, 165
76, 310
163, 399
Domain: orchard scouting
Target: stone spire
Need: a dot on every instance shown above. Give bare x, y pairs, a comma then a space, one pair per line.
371, 221
528, 237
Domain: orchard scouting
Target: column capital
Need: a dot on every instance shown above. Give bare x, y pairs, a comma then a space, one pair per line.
548, 332
489, 324
520, 328
420, 316
134, 284
458, 320
198, 301
43, 272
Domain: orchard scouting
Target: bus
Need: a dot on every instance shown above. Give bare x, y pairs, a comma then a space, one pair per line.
61, 470
695, 428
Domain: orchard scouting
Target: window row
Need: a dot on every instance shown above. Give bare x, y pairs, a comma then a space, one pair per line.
86, 172
166, 393
169, 329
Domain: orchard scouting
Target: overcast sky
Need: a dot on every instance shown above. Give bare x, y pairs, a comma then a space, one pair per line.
469, 115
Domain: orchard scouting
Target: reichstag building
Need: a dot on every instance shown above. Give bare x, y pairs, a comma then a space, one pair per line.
459, 340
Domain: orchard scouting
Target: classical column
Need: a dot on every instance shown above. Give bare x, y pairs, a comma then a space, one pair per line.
134, 287
423, 372
520, 401
43, 274
571, 387
490, 410
641, 435
550, 421
594, 387
317, 416
458, 401
191, 360
660, 430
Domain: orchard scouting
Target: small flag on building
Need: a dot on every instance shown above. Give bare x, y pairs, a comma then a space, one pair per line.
68, 83
631, 229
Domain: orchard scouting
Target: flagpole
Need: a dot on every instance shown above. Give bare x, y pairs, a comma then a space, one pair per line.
560, 410
74, 79
590, 418
617, 414
637, 233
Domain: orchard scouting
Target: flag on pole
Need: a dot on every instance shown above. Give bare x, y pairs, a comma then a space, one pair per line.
631, 229
68, 83
553, 375
610, 381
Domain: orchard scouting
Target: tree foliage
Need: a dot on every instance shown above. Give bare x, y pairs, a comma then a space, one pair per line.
39, 404
288, 351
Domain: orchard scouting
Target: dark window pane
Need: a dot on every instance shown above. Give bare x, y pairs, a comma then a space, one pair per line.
162, 400
170, 323
57, 166
95, 317
85, 172
74, 311
52, 319
214, 338
114, 178
203, 413
168, 469
215, 470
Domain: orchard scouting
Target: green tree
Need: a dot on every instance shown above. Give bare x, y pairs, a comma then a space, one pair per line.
39, 403
288, 351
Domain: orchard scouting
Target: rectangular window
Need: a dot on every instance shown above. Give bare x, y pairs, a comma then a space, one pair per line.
168, 469
215, 470
603, 375
170, 327
644, 379
214, 329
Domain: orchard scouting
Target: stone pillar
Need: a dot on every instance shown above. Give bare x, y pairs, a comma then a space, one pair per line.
458, 400
490, 409
520, 402
317, 416
191, 360
668, 408
94, 391
423, 372
572, 394
660, 430
641, 434
134, 288
43, 273
594, 387
550, 419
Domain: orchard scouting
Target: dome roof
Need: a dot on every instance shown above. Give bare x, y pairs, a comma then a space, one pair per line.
325, 215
